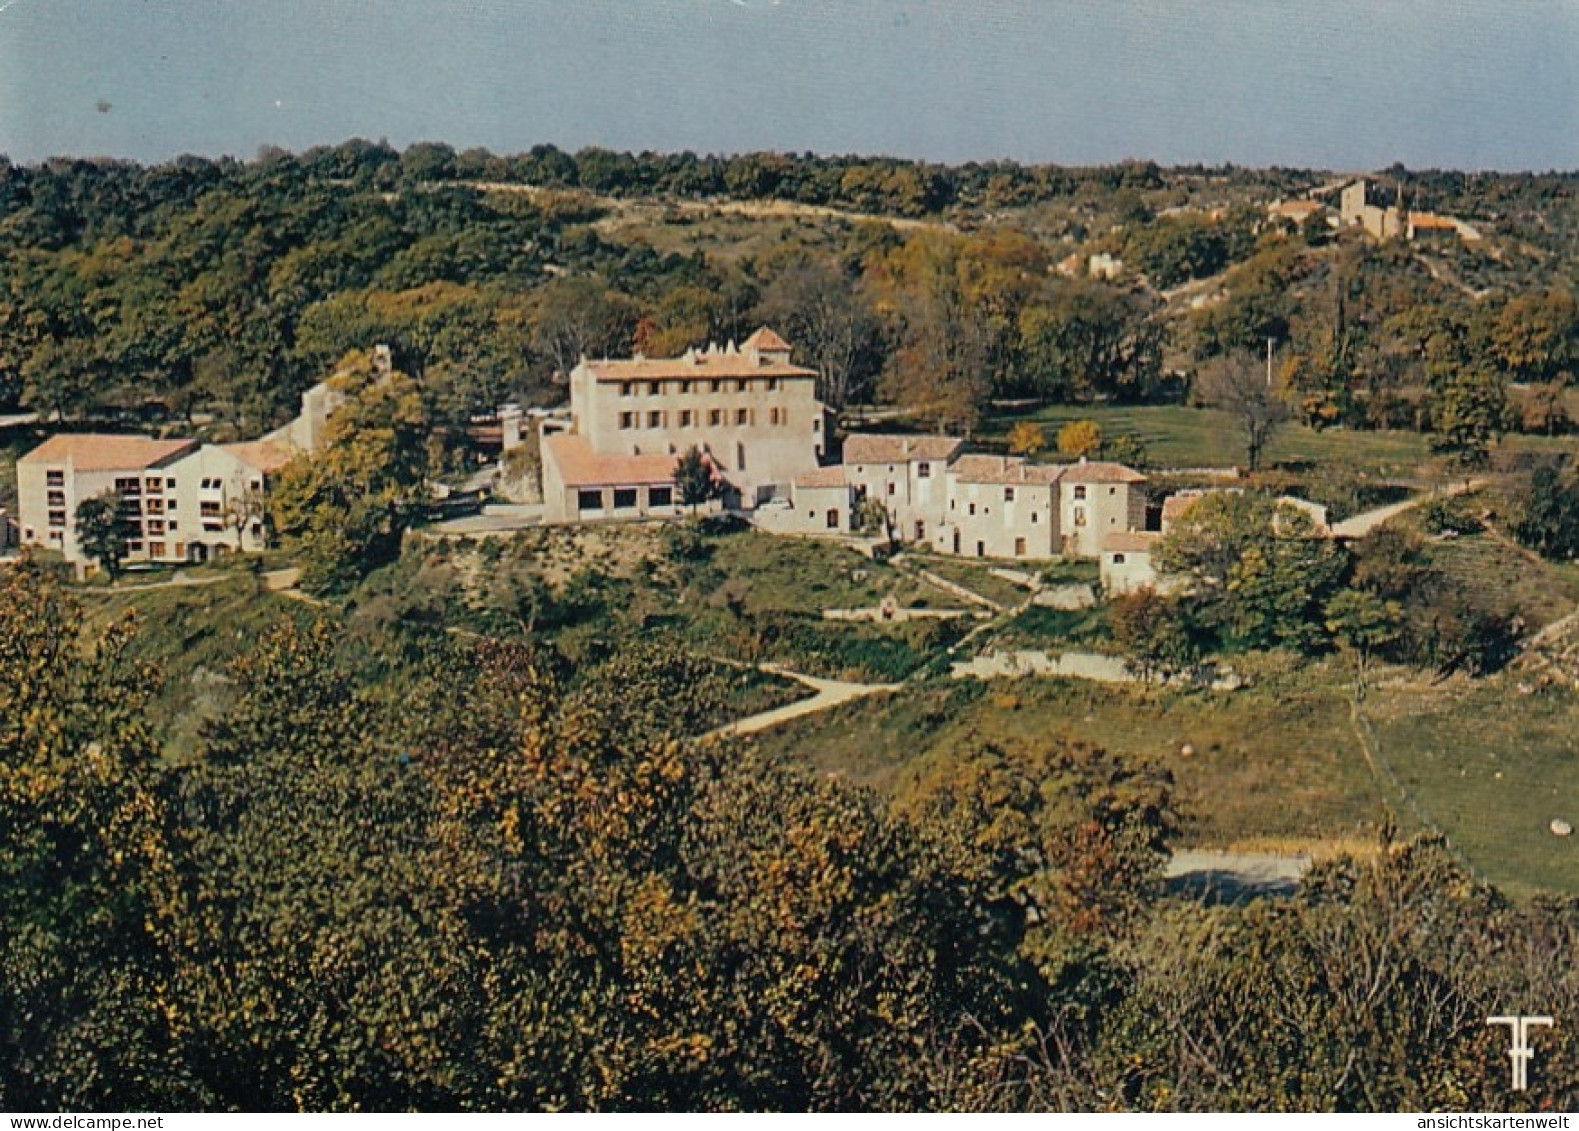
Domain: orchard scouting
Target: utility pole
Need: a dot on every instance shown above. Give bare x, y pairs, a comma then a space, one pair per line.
1269, 363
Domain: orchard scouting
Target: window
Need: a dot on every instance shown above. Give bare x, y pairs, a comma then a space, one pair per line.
660, 496
57, 498
685, 386
170, 504
654, 388
1035, 518
715, 417
981, 549
1008, 494
655, 420
57, 518
255, 485
135, 547
208, 510
171, 525
156, 549
1118, 559
740, 457
973, 508
923, 471
686, 416
257, 529
1080, 492
773, 416
155, 506
773, 384
27, 535
589, 500
170, 483
154, 486
625, 388
1080, 516
129, 486
624, 498
715, 386
742, 416
1019, 547
833, 518
816, 425
627, 420
890, 486
55, 478
1112, 490
742, 386
156, 526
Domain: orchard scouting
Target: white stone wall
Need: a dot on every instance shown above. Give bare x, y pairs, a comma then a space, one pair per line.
983, 522
1088, 512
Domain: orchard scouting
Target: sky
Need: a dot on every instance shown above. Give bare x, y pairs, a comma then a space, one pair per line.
1344, 85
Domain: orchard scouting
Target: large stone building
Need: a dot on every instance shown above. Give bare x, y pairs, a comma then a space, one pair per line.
987, 506
181, 500
752, 413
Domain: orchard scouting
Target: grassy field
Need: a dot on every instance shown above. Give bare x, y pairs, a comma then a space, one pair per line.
1277, 766
1177, 436
1492, 768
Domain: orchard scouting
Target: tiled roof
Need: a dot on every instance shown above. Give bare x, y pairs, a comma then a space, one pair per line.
713, 362
266, 456
766, 340
1003, 469
580, 466
866, 447
1432, 221
89, 452
1297, 208
823, 477
1097, 471
1131, 542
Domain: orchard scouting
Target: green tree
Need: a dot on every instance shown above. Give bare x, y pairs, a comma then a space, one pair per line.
695, 479
346, 507
1363, 625
1156, 634
101, 533
1549, 523
1468, 414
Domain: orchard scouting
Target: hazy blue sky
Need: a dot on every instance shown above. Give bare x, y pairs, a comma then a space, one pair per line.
1343, 84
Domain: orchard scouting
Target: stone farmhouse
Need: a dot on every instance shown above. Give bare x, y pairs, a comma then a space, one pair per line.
752, 413
961, 503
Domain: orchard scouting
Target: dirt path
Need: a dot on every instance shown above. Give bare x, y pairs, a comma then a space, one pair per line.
830, 693
1358, 526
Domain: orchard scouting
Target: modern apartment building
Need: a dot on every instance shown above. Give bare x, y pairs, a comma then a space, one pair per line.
747, 408
181, 500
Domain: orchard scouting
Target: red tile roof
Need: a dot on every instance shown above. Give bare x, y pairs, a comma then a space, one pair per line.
1176, 506
866, 447
1003, 469
823, 477
1097, 471
266, 456
765, 340
580, 466
89, 452
1131, 542
713, 362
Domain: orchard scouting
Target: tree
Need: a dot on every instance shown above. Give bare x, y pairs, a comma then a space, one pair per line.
1026, 438
1549, 523
827, 318
1363, 624
695, 479
100, 532
872, 517
1468, 414
1238, 385
1156, 634
1080, 438
346, 507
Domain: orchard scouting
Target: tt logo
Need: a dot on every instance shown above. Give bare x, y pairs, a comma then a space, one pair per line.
1520, 1052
